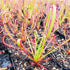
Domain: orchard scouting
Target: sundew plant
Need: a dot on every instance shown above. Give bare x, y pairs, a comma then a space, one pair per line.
17, 18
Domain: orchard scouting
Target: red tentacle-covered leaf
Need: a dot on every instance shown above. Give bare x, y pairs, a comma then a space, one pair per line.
11, 46
69, 52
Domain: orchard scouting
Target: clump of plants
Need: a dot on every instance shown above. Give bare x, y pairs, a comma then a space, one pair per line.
22, 25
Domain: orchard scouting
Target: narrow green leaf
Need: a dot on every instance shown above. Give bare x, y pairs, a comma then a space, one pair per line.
47, 21
37, 48
52, 21
51, 26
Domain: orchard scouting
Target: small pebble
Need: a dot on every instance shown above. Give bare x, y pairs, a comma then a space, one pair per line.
54, 68
16, 53
15, 60
57, 69
59, 40
21, 66
10, 51
18, 69
20, 62
35, 68
23, 69
25, 64
62, 39
13, 50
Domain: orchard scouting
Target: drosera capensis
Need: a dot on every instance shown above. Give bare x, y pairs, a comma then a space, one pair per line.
37, 50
